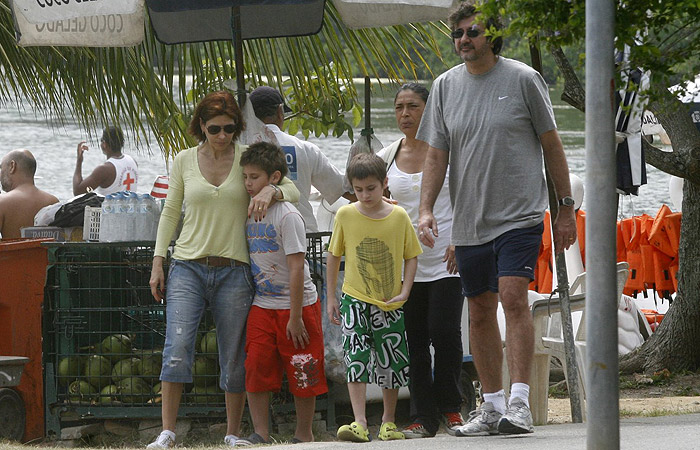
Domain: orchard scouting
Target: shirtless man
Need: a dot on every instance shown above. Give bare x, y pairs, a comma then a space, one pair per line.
22, 199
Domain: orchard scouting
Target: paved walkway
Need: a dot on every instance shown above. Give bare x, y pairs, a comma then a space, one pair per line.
667, 432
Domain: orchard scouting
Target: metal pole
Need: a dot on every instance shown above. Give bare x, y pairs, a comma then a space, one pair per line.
603, 416
567, 326
368, 113
238, 54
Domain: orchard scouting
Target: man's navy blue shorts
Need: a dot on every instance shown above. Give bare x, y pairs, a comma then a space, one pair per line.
512, 254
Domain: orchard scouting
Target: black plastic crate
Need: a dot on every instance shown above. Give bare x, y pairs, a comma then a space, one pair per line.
316, 245
99, 312
104, 335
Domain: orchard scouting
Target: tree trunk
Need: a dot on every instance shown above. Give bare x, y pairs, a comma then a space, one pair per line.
675, 344
684, 160
573, 93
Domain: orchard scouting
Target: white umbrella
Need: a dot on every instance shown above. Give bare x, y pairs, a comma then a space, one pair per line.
118, 23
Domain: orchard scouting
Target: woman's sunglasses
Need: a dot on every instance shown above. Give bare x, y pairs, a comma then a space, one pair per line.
471, 33
216, 129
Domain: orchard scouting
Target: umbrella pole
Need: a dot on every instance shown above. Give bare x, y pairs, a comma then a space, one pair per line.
562, 286
368, 116
238, 53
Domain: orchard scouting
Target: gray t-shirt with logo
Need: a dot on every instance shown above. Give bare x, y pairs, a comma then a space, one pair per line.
489, 124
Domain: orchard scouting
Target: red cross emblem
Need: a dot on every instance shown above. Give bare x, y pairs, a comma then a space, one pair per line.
128, 181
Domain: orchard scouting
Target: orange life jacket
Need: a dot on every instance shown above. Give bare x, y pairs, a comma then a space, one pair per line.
651, 249
658, 235
673, 231
663, 279
543, 268
631, 233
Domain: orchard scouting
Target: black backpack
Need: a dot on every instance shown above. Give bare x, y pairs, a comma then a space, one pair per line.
72, 213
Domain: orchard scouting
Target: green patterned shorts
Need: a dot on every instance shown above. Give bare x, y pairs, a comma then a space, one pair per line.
374, 344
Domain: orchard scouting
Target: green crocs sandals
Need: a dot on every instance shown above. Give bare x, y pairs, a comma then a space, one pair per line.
354, 432
388, 432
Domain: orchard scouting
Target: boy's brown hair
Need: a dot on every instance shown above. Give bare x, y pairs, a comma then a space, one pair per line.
268, 157
365, 165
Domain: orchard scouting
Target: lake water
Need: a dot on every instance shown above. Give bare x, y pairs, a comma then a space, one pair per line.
54, 147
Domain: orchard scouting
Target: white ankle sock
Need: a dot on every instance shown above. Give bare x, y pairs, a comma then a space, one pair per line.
522, 391
498, 399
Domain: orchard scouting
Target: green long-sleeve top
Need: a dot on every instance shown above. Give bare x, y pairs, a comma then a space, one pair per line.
215, 216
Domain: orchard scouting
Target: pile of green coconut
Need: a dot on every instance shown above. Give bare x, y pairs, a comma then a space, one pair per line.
116, 373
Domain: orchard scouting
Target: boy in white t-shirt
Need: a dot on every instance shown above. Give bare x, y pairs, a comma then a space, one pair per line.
284, 324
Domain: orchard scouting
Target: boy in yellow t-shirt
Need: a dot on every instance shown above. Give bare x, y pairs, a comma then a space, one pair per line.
375, 238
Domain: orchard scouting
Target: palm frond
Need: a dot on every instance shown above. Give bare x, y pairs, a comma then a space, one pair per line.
152, 88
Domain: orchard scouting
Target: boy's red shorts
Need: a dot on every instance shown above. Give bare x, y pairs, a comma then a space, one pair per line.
269, 352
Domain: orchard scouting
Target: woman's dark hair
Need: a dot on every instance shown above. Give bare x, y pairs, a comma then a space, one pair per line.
114, 138
414, 87
467, 9
216, 104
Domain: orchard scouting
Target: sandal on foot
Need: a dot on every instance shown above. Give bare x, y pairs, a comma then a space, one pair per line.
253, 439
354, 432
388, 432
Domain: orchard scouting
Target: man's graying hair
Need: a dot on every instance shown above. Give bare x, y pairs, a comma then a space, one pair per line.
468, 9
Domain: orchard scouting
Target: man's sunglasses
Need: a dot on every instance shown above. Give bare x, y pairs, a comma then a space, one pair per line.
215, 129
471, 33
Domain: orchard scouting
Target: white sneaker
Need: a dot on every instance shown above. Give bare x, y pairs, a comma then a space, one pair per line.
517, 419
483, 421
230, 440
166, 439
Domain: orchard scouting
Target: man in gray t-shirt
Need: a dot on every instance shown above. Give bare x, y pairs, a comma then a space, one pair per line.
492, 120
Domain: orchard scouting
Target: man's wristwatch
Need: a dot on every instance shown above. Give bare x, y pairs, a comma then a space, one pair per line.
566, 201
278, 191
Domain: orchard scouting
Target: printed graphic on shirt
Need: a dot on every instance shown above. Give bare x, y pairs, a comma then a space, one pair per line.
306, 370
261, 239
375, 263
128, 180
290, 154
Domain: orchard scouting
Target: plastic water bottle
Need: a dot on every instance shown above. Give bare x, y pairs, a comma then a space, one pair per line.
119, 230
148, 217
107, 219
132, 210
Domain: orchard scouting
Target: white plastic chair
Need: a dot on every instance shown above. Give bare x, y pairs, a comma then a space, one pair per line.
551, 343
